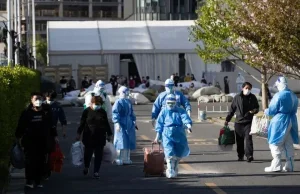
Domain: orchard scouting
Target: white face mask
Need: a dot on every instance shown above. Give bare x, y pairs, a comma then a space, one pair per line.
37, 103
246, 92
96, 107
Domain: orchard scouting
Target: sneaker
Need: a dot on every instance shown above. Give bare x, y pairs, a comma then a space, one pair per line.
39, 186
29, 184
241, 159
96, 175
85, 171
250, 159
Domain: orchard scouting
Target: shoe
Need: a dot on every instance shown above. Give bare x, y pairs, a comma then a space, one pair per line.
270, 169
39, 186
241, 159
96, 175
85, 171
285, 169
29, 184
250, 159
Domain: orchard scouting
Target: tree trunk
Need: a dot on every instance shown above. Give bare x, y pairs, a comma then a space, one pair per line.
264, 95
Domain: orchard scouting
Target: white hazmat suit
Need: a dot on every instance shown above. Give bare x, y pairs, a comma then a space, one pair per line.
99, 90
283, 128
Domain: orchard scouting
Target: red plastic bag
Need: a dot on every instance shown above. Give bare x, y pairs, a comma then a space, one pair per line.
56, 159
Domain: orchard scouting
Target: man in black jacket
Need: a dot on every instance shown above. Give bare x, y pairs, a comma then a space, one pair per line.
37, 135
244, 105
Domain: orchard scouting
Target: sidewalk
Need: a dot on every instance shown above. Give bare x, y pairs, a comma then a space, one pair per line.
17, 181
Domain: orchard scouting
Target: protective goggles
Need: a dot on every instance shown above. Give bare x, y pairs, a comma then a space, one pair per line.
169, 85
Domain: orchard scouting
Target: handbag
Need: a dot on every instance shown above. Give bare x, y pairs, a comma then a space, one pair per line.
226, 136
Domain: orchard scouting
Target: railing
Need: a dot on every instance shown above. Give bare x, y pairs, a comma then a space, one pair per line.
76, 13
166, 16
215, 108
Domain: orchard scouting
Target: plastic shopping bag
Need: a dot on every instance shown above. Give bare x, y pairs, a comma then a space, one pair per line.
260, 126
77, 153
226, 136
254, 125
56, 159
109, 153
263, 126
17, 157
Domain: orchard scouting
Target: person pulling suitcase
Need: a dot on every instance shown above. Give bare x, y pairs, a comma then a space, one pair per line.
172, 133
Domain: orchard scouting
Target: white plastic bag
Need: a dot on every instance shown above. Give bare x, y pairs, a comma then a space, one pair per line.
109, 153
260, 126
77, 153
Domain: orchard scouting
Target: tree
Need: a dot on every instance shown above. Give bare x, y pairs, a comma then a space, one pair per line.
229, 29
41, 50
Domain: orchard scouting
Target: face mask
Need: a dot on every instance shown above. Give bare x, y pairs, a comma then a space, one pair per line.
246, 92
37, 103
48, 101
96, 107
281, 87
169, 89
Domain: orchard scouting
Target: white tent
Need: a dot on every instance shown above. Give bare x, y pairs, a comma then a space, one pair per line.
155, 45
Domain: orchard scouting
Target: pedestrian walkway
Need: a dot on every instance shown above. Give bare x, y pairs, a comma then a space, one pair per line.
207, 170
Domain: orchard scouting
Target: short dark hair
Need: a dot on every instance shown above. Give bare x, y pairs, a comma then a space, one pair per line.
247, 84
35, 94
97, 99
51, 94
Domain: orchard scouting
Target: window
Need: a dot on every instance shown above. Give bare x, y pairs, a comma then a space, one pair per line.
227, 66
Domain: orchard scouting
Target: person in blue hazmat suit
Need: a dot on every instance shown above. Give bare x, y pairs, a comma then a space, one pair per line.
124, 120
160, 101
283, 128
99, 90
170, 128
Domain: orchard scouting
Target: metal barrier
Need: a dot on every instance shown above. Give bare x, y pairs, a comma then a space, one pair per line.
214, 108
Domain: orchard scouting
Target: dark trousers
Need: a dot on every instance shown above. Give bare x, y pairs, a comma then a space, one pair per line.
242, 132
114, 90
47, 166
88, 153
63, 91
34, 166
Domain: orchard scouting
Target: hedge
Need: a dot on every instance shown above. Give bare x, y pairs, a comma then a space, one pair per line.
16, 84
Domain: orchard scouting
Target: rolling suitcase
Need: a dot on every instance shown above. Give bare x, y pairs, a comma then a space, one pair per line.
154, 161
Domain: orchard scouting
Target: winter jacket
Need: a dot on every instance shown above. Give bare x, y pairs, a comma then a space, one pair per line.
95, 127
37, 130
241, 106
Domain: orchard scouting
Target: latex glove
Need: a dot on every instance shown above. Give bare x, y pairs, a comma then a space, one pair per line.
189, 113
189, 128
117, 127
157, 138
153, 122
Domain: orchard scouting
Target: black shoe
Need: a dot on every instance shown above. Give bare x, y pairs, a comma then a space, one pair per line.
250, 159
241, 159
85, 171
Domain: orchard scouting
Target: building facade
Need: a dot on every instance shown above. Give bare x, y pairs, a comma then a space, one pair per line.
76, 10
165, 9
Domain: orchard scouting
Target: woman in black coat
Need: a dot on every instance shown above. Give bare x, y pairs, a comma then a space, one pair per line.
95, 128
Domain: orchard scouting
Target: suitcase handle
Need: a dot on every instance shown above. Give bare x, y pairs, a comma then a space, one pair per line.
158, 146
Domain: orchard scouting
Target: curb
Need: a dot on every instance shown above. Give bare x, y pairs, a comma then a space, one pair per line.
221, 123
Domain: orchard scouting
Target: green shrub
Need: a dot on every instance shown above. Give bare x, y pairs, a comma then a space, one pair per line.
16, 84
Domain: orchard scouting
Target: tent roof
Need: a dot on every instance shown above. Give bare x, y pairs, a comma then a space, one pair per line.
75, 37
95, 37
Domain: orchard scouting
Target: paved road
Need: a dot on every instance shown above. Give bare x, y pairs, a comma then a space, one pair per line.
208, 170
